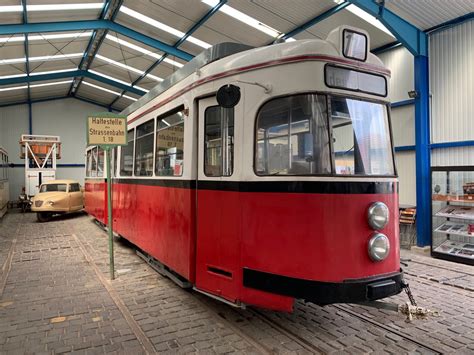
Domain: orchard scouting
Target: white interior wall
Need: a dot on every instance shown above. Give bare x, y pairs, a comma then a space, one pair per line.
400, 62
65, 118
452, 87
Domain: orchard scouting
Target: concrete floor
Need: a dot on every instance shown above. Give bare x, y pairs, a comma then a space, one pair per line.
56, 297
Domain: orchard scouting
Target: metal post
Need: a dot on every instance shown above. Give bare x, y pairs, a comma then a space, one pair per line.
109, 213
423, 154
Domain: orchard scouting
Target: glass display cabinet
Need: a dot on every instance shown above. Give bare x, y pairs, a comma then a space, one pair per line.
452, 189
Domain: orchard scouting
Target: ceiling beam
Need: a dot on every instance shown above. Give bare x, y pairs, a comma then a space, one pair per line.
26, 46
414, 39
109, 12
314, 21
193, 29
71, 74
94, 25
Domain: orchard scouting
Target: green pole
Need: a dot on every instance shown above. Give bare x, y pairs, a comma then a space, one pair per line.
109, 213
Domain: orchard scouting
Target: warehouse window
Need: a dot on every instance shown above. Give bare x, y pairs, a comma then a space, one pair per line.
126, 157
144, 149
219, 141
170, 144
293, 137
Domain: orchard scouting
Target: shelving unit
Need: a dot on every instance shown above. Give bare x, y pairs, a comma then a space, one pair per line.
453, 213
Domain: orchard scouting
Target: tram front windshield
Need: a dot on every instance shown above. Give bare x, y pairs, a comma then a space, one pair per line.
293, 137
361, 137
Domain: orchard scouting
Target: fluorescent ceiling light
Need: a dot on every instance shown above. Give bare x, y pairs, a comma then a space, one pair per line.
51, 84
141, 88
366, 17
62, 7
12, 76
14, 88
101, 88
55, 57
45, 37
238, 15
11, 8
36, 85
162, 26
143, 50
129, 97
109, 77
53, 71
41, 58
127, 67
52, 7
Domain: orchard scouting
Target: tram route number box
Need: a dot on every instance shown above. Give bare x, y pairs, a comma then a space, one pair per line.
106, 129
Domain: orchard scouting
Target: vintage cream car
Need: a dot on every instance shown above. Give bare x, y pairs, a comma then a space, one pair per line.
57, 197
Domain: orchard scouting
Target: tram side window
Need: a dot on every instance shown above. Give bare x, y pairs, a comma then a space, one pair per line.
126, 156
88, 163
170, 144
144, 149
219, 141
293, 137
100, 162
94, 162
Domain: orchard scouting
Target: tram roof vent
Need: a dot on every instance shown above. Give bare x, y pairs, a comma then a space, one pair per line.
209, 55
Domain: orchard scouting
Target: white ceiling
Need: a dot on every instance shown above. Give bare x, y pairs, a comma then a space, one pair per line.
282, 15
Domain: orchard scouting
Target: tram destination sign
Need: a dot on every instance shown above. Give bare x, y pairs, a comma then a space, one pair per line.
106, 130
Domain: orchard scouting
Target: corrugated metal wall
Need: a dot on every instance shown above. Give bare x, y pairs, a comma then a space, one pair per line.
452, 89
65, 118
400, 61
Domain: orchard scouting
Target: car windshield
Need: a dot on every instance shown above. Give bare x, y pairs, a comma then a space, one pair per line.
53, 188
361, 137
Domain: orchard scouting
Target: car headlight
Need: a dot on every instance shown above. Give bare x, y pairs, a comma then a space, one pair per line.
50, 203
379, 247
378, 215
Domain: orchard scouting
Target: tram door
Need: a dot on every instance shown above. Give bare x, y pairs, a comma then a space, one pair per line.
218, 213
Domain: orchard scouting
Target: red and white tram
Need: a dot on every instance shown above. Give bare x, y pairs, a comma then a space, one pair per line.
286, 188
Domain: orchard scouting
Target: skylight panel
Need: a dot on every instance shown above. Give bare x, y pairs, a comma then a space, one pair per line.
143, 50
248, 20
162, 26
127, 67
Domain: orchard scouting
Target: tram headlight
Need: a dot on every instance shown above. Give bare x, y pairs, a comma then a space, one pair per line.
379, 247
378, 215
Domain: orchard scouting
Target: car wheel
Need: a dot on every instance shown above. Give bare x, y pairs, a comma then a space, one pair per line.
43, 216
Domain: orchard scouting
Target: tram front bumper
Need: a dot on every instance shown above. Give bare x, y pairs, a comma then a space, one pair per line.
322, 293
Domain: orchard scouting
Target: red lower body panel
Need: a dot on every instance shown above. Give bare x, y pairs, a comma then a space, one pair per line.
95, 199
304, 236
